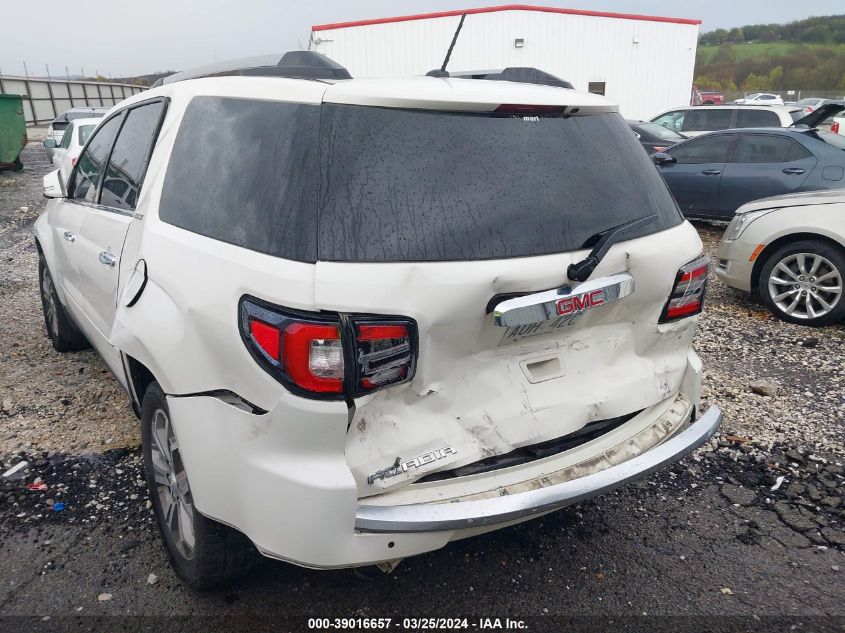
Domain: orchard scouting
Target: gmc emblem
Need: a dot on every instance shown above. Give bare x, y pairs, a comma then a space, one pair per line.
579, 303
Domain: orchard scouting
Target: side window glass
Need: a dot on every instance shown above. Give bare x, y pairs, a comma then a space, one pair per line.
67, 137
758, 118
92, 161
128, 161
707, 120
672, 120
711, 149
759, 148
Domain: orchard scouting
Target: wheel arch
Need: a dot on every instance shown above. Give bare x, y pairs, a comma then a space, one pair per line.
138, 378
783, 241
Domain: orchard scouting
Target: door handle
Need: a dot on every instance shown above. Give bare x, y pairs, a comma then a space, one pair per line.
794, 171
70, 237
107, 258
711, 172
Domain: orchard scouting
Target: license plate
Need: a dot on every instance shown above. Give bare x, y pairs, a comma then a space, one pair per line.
520, 333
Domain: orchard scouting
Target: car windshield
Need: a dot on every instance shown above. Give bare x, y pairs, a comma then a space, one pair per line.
659, 131
806, 102
753, 95
84, 133
369, 184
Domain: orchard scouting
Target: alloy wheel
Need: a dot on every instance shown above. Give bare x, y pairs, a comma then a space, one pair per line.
47, 294
805, 285
171, 483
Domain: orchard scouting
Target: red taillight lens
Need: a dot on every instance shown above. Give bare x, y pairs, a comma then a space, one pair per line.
267, 336
835, 127
660, 149
326, 356
385, 354
687, 296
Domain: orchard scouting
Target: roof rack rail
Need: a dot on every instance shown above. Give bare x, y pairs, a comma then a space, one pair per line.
519, 74
293, 64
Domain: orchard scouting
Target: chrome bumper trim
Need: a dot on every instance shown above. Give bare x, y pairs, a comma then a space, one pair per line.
437, 517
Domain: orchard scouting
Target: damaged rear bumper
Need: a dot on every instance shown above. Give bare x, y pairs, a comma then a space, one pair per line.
459, 515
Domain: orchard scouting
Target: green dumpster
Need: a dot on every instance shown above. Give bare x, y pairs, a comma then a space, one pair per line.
12, 132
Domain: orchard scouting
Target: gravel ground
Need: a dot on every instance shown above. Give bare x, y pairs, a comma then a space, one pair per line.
707, 536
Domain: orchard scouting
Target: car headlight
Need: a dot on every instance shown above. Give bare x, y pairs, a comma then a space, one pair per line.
741, 222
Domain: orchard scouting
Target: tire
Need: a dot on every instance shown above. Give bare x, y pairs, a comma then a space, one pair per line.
802, 283
63, 333
204, 554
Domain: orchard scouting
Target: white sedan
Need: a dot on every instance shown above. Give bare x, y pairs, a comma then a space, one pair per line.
760, 98
75, 136
789, 250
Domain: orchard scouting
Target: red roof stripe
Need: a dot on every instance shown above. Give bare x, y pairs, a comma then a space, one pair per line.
505, 7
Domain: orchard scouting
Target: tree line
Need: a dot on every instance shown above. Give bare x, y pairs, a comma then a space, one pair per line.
821, 30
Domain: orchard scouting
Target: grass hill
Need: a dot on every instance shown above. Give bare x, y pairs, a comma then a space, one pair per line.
804, 55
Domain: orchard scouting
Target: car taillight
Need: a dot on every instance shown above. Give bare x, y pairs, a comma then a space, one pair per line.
660, 149
687, 298
835, 127
73, 161
328, 355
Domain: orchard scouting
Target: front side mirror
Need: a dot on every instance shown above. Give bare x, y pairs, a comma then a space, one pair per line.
662, 158
50, 143
54, 185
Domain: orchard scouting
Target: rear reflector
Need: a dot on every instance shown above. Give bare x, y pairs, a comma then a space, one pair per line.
687, 296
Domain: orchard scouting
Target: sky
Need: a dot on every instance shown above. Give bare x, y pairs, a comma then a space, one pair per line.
123, 38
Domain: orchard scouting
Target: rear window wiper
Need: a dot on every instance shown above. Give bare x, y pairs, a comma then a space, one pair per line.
581, 271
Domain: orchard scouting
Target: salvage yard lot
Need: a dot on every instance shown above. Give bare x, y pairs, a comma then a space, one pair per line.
708, 535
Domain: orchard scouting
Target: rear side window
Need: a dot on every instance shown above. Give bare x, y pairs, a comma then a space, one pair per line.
92, 161
68, 136
128, 160
410, 185
707, 120
245, 172
710, 149
760, 148
671, 120
757, 118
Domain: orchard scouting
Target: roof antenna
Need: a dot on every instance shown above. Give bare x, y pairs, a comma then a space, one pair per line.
442, 72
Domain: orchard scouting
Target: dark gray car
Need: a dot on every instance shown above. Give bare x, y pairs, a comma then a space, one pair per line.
713, 175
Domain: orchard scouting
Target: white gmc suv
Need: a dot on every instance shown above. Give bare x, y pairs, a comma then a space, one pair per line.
360, 319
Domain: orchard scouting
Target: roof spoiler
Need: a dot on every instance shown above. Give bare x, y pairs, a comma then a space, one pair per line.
519, 74
293, 64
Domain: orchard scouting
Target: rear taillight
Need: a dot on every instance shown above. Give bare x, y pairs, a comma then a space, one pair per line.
660, 149
687, 298
326, 355
835, 127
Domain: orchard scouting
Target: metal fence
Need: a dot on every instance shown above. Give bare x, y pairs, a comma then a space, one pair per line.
787, 95
45, 99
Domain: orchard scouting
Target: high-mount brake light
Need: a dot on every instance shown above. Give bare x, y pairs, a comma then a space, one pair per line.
321, 355
687, 298
527, 108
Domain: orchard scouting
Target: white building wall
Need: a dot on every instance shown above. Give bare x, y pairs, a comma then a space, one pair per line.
647, 66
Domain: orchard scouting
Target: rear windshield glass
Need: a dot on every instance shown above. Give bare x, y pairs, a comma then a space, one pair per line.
356, 183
